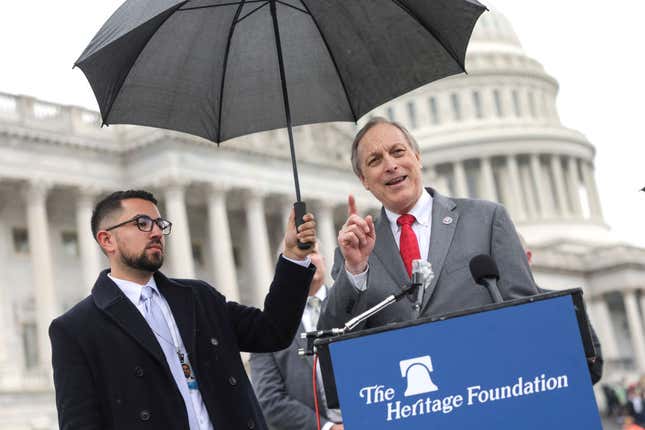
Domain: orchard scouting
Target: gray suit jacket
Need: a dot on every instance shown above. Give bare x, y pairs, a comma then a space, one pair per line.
460, 230
283, 385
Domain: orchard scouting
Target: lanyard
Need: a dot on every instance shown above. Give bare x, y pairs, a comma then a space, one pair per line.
176, 339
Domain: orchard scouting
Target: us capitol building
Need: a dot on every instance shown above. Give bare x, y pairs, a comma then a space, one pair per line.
493, 134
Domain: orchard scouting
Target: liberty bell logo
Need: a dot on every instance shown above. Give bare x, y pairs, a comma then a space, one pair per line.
417, 373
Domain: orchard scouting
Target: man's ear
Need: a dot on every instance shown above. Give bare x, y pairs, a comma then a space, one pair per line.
418, 155
364, 182
106, 241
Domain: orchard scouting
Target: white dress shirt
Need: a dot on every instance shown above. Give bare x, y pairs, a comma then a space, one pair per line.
132, 291
422, 212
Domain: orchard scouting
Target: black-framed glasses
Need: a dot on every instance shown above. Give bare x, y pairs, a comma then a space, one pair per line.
146, 224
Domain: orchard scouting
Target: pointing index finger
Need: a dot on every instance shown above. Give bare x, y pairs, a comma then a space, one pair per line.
351, 205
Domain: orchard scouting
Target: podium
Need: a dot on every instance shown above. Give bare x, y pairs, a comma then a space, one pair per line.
520, 364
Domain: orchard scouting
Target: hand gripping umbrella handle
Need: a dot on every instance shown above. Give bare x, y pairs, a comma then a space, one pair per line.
300, 209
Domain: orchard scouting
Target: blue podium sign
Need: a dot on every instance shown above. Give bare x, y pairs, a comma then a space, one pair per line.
517, 367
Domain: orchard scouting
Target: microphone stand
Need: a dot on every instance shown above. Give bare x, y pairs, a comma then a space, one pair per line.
311, 336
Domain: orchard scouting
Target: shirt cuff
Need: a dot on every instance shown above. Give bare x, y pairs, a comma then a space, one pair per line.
359, 281
327, 425
304, 263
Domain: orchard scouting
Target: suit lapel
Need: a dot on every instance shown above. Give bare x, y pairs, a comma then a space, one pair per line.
386, 250
444, 224
111, 300
181, 302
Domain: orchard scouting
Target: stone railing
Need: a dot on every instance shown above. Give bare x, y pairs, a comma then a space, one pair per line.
326, 144
42, 116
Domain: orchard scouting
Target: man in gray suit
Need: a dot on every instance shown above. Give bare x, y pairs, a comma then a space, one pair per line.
373, 259
283, 380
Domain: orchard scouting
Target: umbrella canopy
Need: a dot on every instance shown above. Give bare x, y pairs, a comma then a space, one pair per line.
210, 67
225, 68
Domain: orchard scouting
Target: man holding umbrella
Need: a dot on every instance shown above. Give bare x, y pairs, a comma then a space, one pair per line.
146, 351
374, 260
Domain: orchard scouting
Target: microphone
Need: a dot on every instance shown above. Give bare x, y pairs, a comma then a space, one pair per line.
422, 276
484, 271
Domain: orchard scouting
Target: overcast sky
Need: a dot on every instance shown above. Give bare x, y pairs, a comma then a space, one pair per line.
593, 49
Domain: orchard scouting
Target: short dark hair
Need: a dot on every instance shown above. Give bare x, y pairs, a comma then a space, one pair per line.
371, 123
112, 203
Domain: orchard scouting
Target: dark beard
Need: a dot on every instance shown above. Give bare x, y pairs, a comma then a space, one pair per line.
142, 262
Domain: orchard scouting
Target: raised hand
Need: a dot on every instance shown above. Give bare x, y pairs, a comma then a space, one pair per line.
356, 238
306, 233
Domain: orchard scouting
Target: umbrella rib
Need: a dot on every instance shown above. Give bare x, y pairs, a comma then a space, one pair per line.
253, 11
219, 5
333, 60
293, 7
228, 48
432, 33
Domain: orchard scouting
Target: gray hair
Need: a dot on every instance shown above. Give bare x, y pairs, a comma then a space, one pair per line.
371, 123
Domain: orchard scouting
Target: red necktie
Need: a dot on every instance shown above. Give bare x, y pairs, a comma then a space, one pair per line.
408, 245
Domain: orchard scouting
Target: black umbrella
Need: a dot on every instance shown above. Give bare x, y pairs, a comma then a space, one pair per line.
225, 68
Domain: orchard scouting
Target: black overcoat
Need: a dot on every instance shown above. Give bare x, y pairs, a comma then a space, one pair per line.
110, 372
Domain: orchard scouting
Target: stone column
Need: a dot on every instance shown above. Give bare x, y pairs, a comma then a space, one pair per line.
488, 180
223, 263
435, 180
258, 245
517, 206
525, 103
461, 184
88, 248
178, 243
488, 103
643, 305
602, 324
542, 186
572, 186
592, 190
327, 235
529, 193
558, 177
635, 323
12, 358
550, 105
35, 194
8, 330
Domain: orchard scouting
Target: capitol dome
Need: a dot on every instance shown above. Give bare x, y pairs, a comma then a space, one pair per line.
495, 134
493, 27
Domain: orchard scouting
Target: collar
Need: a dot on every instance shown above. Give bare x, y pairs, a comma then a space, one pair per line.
321, 293
421, 210
132, 290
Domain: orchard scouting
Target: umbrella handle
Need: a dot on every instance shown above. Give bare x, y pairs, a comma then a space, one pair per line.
300, 209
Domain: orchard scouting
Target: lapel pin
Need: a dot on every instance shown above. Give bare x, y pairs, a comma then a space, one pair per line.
447, 220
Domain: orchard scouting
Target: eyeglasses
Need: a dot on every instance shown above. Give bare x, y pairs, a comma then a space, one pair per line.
146, 224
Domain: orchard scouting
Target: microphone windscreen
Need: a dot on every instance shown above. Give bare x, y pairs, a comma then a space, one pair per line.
483, 266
